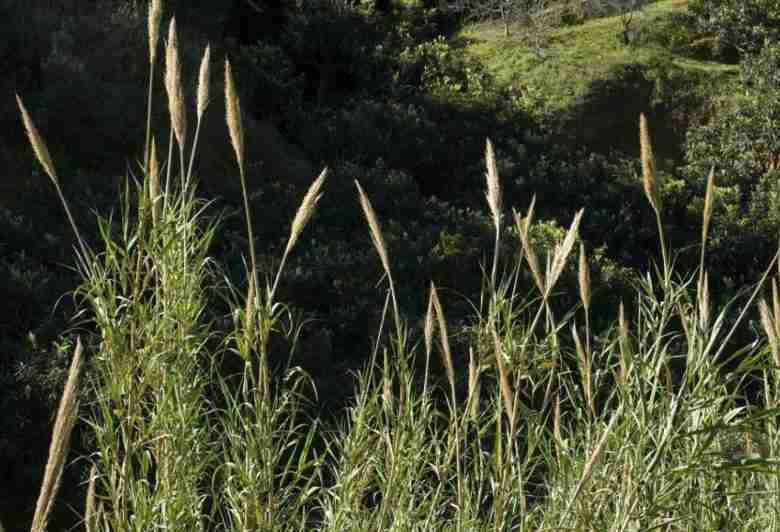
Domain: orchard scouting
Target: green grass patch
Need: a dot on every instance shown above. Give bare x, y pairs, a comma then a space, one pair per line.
578, 56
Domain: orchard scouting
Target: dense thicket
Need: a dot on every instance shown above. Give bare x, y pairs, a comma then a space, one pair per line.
743, 25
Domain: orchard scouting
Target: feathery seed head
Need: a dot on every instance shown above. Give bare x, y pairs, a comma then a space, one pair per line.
557, 422
444, 338
648, 164
585, 369
58, 449
171, 47
709, 201
306, 210
154, 182
770, 328
503, 379
155, 17
493, 186
250, 304
562, 252
584, 278
233, 112
41, 151
429, 322
529, 217
704, 302
473, 398
173, 86
373, 225
203, 82
523, 227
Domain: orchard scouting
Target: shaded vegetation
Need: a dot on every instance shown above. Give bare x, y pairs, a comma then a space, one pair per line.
399, 96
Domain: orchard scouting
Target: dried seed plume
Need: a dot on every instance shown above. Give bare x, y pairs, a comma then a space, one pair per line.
709, 203
233, 115
173, 86
523, 227
474, 385
503, 380
704, 302
770, 328
155, 17
585, 371
584, 278
41, 151
429, 324
154, 184
444, 339
562, 252
493, 187
374, 229
58, 449
648, 164
306, 209
42, 154
203, 82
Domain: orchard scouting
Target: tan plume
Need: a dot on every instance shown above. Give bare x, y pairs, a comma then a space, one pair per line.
233, 115
648, 164
155, 17
203, 82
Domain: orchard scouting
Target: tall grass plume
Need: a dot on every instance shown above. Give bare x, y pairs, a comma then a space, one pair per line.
60, 442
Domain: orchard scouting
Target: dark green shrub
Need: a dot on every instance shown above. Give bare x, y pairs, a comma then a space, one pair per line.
270, 80
334, 50
740, 140
438, 68
248, 23
93, 102
741, 137
742, 25
679, 32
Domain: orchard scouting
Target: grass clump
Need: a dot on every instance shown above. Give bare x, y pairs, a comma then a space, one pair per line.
658, 422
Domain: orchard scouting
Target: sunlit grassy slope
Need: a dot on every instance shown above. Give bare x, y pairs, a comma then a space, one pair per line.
580, 55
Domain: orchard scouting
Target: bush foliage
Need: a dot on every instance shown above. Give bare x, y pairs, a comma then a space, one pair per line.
744, 25
397, 101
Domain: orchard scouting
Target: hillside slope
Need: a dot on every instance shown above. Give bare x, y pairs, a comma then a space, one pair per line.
589, 87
